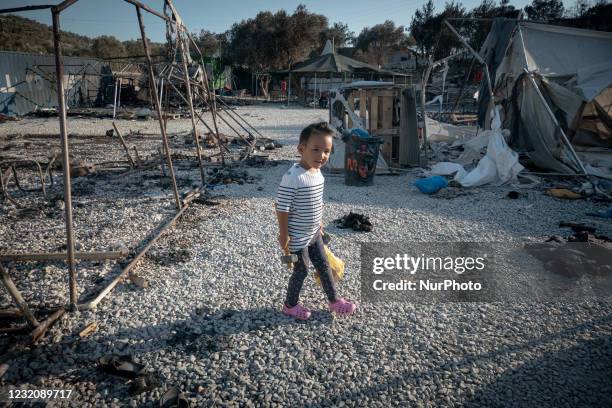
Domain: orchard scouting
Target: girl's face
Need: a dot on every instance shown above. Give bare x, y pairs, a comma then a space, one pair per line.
315, 152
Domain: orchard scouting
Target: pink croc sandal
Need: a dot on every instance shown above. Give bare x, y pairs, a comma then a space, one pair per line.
297, 311
343, 307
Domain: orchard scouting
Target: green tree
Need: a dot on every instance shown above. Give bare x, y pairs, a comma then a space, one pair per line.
339, 33
271, 41
422, 30
107, 46
545, 10
377, 42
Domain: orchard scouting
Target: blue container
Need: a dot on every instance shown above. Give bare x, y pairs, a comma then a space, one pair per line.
431, 185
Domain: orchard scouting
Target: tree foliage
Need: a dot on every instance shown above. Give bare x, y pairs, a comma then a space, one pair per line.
339, 33
275, 40
545, 10
377, 42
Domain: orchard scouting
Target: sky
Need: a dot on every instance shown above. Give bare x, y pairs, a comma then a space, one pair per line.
116, 17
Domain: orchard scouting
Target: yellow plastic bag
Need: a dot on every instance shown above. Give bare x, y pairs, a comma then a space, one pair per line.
336, 264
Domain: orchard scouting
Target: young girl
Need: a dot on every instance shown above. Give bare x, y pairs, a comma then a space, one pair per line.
299, 208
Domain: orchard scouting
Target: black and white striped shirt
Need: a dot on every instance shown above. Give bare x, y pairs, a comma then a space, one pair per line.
301, 195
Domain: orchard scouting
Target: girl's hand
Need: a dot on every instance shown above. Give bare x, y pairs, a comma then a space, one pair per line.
283, 240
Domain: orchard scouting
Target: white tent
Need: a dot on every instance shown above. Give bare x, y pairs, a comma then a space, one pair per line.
555, 84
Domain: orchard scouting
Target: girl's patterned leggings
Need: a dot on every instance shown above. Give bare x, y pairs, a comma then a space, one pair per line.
315, 253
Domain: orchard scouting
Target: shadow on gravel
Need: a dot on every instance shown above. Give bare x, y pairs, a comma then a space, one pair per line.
574, 376
201, 333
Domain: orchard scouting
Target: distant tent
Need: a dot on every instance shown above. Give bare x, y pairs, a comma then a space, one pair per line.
331, 62
540, 69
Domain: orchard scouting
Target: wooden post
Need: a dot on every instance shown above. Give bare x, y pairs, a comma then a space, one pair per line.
409, 153
373, 112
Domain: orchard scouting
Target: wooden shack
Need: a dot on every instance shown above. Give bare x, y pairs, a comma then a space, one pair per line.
380, 109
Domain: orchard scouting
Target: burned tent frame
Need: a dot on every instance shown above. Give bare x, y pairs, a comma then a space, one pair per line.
174, 23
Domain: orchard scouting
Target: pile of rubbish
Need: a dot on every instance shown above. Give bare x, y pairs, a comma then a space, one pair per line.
499, 165
356, 221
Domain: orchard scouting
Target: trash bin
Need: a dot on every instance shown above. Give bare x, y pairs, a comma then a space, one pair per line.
360, 157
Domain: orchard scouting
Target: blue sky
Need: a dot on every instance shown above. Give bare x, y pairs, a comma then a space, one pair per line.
118, 18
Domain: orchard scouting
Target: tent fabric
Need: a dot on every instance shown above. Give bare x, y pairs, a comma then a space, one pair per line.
563, 52
334, 63
572, 70
492, 52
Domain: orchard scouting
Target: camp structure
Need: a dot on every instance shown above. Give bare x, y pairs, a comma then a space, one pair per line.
332, 69
555, 86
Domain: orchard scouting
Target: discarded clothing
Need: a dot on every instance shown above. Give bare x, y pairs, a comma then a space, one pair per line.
356, 221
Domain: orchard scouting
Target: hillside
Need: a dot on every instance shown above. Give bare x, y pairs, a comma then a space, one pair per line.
26, 35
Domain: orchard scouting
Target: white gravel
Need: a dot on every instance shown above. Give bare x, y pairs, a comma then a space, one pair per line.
209, 321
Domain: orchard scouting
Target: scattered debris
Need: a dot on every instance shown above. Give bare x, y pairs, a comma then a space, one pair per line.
267, 144
81, 169
121, 365
562, 193
514, 195
356, 221
572, 260
174, 398
229, 176
144, 383
4, 118
576, 227
139, 281
144, 113
88, 329
3, 369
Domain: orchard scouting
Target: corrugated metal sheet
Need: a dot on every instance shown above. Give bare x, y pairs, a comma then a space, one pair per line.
27, 82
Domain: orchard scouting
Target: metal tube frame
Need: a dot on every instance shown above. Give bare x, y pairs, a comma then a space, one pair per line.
70, 256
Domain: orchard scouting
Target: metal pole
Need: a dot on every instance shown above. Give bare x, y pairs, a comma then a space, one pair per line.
119, 93
476, 55
315, 92
61, 104
554, 119
153, 85
115, 100
289, 87
184, 50
16, 295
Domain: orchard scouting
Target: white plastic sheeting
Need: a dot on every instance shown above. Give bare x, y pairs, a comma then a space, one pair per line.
499, 166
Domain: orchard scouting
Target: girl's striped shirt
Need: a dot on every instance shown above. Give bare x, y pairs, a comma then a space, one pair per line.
301, 195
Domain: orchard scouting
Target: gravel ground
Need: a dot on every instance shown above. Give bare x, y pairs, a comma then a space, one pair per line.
209, 322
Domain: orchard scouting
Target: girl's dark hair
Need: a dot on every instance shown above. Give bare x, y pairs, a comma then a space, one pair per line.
321, 128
